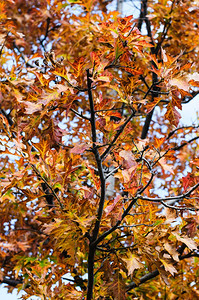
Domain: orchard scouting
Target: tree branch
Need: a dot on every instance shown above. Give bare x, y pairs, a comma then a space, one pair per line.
178, 208
11, 282
185, 143
155, 273
182, 127
92, 109
92, 246
79, 114
46, 34
177, 198
107, 151
105, 234
47, 184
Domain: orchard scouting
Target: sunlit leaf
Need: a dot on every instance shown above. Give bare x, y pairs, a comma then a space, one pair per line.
132, 263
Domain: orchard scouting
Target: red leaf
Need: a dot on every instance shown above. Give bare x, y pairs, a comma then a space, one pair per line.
187, 181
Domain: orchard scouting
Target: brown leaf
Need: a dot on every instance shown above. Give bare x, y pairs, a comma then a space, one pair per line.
172, 251
171, 215
191, 244
169, 267
132, 262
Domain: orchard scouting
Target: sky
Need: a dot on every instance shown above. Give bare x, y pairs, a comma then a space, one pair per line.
189, 117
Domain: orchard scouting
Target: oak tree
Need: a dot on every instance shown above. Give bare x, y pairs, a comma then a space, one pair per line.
99, 179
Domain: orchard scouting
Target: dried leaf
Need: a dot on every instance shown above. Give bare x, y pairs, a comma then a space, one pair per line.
191, 244
169, 267
172, 115
132, 262
172, 251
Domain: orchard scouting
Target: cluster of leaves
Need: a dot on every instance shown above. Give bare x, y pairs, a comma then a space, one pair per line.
79, 86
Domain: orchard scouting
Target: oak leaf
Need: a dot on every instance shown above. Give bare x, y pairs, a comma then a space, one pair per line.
191, 244
172, 251
169, 267
172, 115
132, 263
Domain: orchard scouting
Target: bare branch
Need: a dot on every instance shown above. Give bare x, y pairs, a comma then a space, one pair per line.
46, 34
178, 208
185, 143
176, 198
80, 115
11, 282
179, 128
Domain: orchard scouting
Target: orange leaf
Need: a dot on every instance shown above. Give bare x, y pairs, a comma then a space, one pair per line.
150, 105
158, 142
42, 147
172, 115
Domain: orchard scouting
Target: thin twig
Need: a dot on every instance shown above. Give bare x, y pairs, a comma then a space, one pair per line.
177, 198
79, 114
178, 208
179, 128
46, 34
185, 143
113, 171
136, 225
44, 180
106, 152
22, 56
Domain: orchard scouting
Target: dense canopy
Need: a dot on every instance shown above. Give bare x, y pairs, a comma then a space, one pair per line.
99, 179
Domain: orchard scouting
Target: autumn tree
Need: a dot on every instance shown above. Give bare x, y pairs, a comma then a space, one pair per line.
99, 179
